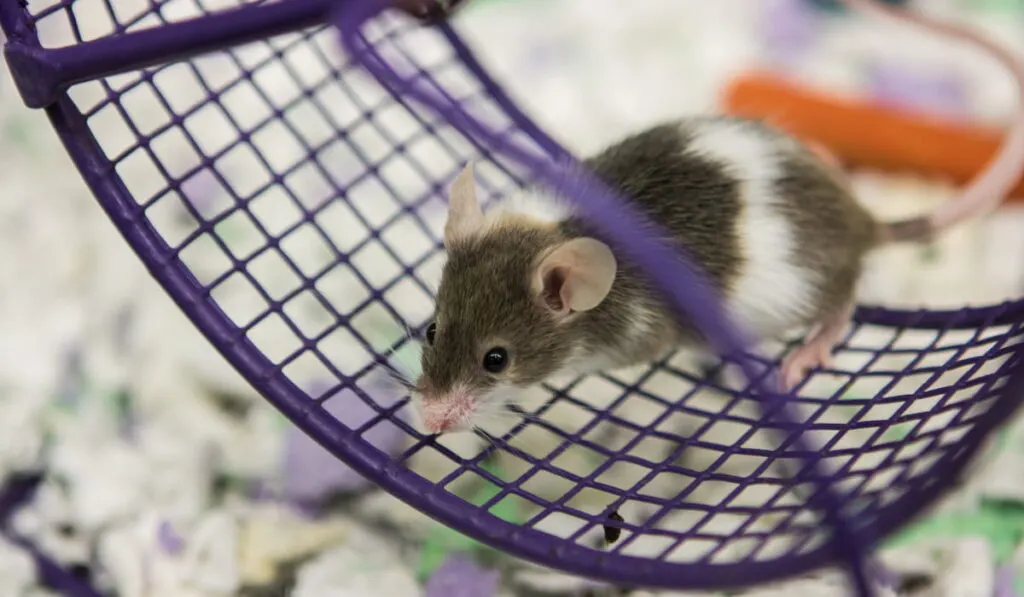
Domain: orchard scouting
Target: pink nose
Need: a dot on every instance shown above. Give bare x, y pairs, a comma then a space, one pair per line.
439, 422
446, 413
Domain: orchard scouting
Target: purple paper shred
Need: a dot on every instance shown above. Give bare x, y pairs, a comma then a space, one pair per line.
311, 473
1006, 580
260, 491
170, 541
940, 93
16, 491
883, 575
201, 192
790, 28
460, 576
54, 575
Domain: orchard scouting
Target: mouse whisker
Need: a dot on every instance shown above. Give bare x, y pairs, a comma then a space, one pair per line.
493, 408
399, 377
487, 437
500, 416
488, 412
409, 339
394, 347
492, 420
484, 436
393, 371
514, 410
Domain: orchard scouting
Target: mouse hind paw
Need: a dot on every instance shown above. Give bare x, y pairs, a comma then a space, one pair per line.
816, 349
800, 361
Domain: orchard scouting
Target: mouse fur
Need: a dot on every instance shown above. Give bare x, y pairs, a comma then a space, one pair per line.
778, 232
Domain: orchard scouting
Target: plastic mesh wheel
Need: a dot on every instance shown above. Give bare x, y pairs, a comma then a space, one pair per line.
291, 204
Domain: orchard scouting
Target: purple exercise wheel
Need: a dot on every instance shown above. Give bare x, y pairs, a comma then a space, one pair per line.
280, 168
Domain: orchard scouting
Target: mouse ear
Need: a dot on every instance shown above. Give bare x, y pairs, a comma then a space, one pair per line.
576, 276
464, 215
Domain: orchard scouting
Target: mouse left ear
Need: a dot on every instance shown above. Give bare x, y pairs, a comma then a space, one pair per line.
464, 215
575, 276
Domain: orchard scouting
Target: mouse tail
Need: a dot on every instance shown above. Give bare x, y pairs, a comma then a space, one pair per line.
988, 189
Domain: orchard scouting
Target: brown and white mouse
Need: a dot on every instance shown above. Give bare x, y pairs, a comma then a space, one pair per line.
528, 291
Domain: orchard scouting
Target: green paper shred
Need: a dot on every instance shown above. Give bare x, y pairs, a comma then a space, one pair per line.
997, 5
229, 232
1002, 525
897, 432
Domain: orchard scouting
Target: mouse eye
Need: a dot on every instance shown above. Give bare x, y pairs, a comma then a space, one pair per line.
496, 360
431, 332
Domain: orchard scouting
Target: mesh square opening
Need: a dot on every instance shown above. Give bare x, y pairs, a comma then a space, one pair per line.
205, 259
273, 274
278, 146
112, 132
344, 352
238, 298
171, 219
210, 128
141, 176
308, 250
242, 167
343, 289
240, 235
274, 338
93, 18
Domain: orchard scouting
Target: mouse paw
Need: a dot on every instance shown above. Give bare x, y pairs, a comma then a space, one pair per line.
799, 362
816, 350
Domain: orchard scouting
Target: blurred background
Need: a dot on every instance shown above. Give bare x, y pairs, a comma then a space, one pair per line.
164, 474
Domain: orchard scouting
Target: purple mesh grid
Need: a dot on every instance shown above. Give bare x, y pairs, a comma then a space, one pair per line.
289, 197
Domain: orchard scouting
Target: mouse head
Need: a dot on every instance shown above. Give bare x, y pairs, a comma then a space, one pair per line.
512, 298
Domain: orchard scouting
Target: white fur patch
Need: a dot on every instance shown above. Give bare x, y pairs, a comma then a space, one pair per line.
642, 325
491, 412
581, 362
772, 294
645, 329
532, 204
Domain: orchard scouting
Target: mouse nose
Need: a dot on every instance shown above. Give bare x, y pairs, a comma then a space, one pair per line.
447, 413
439, 422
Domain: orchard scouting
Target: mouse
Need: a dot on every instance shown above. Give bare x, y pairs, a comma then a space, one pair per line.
528, 291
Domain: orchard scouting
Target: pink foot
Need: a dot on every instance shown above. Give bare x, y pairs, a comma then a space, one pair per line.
816, 351
799, 362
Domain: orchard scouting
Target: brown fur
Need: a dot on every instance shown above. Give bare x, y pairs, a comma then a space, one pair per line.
693, 199
471, 321
646, 167
836, 232
485, 296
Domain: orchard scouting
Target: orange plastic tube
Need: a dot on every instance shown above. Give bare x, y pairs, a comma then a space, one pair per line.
867, 135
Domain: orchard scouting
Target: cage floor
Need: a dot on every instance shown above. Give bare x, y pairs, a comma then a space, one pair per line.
165, 475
